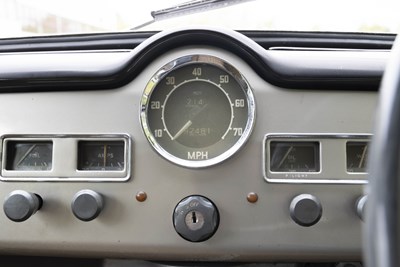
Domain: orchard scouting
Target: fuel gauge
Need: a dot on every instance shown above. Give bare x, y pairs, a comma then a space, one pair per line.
101, 155
29, 155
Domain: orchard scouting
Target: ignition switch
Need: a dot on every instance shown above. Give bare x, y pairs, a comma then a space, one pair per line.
196, 218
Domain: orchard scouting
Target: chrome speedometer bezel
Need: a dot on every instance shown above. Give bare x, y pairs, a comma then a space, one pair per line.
180, 62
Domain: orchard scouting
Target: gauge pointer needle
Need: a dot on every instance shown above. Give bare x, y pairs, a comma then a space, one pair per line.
105, 155
183, 129
189, 122
284, 157
26, 154
362, 157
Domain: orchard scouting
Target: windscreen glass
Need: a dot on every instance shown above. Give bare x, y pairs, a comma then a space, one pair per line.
48, 17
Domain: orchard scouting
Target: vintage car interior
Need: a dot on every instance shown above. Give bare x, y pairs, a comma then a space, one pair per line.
199, 146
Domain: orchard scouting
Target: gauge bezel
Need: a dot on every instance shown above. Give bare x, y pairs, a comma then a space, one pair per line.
176, 64
332, 149
64, 169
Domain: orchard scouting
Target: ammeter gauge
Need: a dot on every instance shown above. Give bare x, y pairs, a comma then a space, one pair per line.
101, 155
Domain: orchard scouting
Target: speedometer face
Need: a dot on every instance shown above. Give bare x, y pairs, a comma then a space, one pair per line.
197, 111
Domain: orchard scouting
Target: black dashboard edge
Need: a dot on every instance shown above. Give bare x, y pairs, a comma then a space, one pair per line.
270, 68
129, 40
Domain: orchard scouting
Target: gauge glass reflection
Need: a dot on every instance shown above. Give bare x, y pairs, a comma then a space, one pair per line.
101, 155
294, 156
356, 154
29, 156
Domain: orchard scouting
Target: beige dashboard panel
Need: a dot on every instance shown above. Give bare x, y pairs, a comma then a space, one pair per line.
261, 231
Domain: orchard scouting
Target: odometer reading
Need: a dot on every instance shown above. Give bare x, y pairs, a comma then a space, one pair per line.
197, 111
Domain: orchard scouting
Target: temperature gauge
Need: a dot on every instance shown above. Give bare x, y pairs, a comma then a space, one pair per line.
29, 155
101, 155
294, 156
357, 153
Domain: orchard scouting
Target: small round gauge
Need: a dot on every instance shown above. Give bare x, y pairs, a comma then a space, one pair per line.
101, 155
197, 111
29, 156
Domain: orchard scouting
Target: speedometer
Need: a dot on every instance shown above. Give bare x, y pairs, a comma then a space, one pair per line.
197, 111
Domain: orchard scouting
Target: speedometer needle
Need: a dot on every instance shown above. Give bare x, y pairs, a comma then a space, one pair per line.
182, 130
189, 122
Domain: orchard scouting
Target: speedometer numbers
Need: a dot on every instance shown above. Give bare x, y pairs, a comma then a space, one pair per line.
197, 111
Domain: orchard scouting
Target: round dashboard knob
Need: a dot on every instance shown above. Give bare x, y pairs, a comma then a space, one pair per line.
305, 210
86, 205
360, 206
19, 205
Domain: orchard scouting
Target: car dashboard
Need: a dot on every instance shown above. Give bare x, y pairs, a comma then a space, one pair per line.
196, 145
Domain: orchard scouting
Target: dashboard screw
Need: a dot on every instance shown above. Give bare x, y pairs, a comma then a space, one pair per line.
252, 197
141, 196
